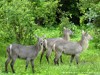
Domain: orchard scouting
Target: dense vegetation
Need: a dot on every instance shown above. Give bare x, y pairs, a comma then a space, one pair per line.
21, 19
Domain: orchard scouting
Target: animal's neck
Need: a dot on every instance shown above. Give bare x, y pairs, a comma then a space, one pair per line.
84, 43
37, 47
66, 37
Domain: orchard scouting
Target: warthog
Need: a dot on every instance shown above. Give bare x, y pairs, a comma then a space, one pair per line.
27, 53
71, 48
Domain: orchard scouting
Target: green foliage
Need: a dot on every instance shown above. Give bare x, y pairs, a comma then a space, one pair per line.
18, 25
18, 20
96, 38
64, 22
46, 11
97, 21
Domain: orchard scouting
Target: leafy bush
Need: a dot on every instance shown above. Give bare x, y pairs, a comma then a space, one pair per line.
45, 13
97, 21
96, 38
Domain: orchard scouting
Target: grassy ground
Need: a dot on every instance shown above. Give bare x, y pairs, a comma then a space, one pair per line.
89, 63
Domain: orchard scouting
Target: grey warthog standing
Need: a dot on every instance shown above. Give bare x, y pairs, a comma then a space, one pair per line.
27, 53
48, 44
71, 48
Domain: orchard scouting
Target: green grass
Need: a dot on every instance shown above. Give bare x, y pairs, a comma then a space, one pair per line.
89, 60
89, 65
